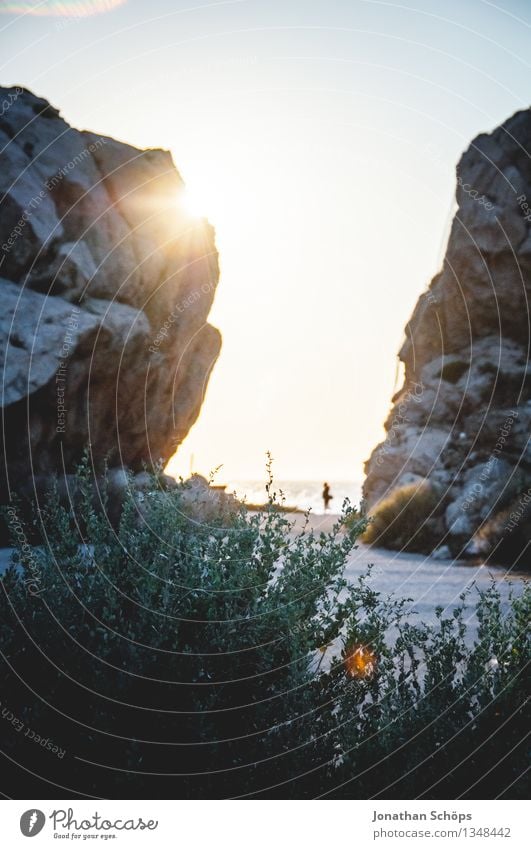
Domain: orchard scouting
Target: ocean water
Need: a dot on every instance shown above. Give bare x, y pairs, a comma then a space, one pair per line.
298, 493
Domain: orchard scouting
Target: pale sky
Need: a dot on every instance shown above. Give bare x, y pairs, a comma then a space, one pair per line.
320, 137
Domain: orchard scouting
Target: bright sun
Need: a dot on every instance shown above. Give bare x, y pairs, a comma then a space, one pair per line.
194, 201
222, 201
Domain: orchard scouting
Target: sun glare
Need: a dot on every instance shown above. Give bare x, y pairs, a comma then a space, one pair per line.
360, 661
205, 195
198, 199
193, 203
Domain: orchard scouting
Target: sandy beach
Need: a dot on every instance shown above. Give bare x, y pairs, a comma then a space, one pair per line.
427, 581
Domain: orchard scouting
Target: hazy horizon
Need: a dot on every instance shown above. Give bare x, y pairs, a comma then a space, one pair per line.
320, 139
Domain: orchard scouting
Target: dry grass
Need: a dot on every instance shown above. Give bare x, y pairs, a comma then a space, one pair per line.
400, 520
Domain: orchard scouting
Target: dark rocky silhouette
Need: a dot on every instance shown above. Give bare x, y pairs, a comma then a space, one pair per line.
462, 420
106, 287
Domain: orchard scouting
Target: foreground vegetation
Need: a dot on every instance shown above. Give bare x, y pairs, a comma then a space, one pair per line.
178, 659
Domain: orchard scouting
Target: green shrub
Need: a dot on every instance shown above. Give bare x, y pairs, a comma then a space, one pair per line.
403, 519
176, 659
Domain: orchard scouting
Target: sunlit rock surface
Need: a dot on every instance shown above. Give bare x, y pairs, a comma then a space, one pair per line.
463, 416
106, 286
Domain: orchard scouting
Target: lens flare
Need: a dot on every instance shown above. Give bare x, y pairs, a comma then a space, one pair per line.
360, 662
60, 8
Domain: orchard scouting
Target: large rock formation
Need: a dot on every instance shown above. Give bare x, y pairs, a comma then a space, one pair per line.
462, 420
106, 287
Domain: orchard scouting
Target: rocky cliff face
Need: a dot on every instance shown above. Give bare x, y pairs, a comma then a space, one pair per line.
106, 287
462, 420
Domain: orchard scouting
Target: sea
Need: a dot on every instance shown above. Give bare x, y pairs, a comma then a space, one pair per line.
301, 494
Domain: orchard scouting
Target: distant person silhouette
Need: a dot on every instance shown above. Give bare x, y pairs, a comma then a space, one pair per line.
327, 495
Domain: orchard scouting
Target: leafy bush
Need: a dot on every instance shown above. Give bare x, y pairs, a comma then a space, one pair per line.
403, 519
175, 659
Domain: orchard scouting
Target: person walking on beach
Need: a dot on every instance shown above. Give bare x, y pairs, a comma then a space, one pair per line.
327, 496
